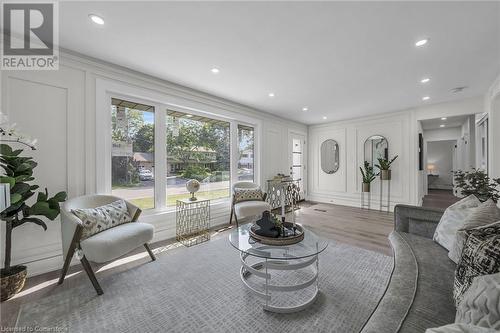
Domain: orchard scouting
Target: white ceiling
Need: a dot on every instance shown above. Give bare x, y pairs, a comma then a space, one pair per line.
340, 59
449, 122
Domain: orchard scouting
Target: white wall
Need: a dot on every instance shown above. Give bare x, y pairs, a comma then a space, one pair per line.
343, 187
492, 107
401, 129
59, 108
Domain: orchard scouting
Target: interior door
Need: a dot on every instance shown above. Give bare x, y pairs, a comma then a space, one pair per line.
297, 158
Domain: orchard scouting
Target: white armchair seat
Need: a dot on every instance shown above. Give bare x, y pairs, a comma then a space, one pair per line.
251, 208
113, 243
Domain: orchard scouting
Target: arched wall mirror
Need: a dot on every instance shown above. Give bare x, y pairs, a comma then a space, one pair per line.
376, 146
330, 156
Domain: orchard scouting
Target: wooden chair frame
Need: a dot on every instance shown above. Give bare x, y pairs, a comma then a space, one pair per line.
75, 245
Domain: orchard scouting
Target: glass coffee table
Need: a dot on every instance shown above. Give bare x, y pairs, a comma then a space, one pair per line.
285, 277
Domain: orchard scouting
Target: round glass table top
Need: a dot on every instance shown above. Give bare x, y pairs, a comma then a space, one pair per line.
311, 245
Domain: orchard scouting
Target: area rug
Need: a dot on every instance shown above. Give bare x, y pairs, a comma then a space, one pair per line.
198, 289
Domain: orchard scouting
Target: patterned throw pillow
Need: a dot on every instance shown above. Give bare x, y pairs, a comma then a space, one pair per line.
480, 256
245, 194
95, 220
481, 303
453, 219
482, 215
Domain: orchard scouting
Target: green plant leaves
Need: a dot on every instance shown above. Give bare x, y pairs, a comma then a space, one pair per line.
5, 149
43, 208
8, 180
60, 197
15, 197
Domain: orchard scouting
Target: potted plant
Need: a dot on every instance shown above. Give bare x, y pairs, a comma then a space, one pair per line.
384, 166
368, 176
19, 175
478, 183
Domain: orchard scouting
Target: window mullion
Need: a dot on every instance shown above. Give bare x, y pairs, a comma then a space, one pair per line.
160, 157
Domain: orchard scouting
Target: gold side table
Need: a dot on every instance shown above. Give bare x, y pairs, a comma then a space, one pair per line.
192, 221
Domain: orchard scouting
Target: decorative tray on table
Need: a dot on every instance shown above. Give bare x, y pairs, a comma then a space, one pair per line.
270, 231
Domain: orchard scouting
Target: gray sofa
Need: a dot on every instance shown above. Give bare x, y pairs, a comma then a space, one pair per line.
420, 292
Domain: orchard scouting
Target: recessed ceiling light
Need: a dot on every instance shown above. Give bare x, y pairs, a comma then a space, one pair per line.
189, 115
324, 117
425, 80
441, 125
422, 42
271, 94
96, 19
425, 98
305, 108
444, 118
215, 70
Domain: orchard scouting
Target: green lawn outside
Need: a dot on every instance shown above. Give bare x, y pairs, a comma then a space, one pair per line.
148, 203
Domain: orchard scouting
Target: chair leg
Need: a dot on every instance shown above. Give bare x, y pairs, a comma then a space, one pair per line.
90, 273
231, 216
151, 254
65, 268
236, 219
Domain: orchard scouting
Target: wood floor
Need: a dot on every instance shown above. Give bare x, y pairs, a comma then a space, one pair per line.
367, 229
439, 199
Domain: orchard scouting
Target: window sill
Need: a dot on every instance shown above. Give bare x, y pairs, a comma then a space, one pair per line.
171, 210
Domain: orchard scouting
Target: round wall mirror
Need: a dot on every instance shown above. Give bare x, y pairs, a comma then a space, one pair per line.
376, 146
329, 156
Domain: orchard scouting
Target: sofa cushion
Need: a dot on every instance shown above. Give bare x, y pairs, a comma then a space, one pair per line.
460, 328
98, 219
420, 292
482, 215
480, 256
433, 303
115, 242
453, 219
481, 303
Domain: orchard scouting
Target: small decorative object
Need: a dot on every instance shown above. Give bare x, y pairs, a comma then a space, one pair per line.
267, 226
478, 183
271, 230
18, 174
193, 186
368, 176
385, 167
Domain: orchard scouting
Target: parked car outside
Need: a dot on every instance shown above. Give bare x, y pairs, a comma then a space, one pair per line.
145, 174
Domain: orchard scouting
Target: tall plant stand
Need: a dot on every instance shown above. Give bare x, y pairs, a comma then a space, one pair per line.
366, 199
387, 183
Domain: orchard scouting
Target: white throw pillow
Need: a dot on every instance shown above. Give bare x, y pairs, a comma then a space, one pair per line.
454, 218
459, 328
481, 303
482, 215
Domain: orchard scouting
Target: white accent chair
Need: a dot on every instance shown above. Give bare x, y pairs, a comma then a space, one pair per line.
247, 208
104, 246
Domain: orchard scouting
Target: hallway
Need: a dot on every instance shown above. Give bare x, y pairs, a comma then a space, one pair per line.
439, 199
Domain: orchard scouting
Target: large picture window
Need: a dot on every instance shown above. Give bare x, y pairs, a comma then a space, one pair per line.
198, 148
132, 153
245, 153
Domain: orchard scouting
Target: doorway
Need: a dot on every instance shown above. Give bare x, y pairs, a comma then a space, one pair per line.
296, 159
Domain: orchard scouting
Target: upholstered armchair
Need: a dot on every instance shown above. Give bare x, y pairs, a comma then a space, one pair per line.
241, 207
103, 246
